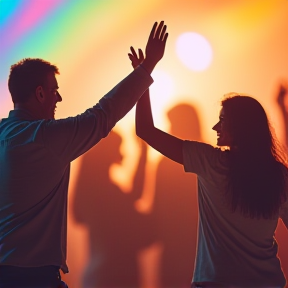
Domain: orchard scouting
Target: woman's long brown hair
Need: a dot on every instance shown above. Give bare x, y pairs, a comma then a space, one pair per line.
258, 168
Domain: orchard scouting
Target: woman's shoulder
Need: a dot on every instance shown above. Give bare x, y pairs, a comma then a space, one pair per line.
206, 149
204, 156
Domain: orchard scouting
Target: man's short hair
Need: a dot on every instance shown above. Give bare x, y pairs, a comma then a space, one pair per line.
26, 75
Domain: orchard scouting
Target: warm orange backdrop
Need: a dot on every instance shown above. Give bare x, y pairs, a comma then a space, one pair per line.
249, 42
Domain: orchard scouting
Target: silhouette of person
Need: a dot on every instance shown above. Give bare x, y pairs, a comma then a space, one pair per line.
281, 232
116, 230
280, 99
175, 206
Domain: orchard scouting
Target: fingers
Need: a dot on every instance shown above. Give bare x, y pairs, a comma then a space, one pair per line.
159, 33
135, 60
151, 36
163, 32
133, 52
165, 38
141, 55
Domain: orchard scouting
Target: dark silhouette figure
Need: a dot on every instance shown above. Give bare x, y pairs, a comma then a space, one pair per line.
281, 232
116, 230
176, 208
281, 96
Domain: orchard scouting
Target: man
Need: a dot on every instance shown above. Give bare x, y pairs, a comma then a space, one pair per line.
35, 156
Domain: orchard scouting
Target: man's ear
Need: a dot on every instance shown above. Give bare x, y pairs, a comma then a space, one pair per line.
39, 94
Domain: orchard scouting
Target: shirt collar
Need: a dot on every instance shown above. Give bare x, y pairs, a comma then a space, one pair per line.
21, 114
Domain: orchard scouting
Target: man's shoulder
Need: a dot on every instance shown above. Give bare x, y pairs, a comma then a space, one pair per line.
15, 129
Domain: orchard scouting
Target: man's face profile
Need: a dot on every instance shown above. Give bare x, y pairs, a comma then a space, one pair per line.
49, 96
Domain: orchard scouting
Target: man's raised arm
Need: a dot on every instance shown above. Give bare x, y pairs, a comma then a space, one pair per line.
130, 89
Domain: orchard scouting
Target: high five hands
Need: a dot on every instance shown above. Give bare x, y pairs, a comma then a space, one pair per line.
154, 49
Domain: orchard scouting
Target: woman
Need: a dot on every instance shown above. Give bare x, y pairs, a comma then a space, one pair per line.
241, 192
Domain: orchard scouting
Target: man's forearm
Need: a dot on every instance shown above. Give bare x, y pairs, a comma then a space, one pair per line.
120, 100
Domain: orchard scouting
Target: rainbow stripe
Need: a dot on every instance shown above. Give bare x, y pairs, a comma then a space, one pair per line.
33, 28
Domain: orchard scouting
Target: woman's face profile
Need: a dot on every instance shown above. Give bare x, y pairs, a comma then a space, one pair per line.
223, 136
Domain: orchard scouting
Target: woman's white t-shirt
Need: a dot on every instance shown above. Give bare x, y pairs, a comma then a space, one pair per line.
232, 249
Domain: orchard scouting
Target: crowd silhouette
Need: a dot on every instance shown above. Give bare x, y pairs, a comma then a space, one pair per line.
117, 232
175, 207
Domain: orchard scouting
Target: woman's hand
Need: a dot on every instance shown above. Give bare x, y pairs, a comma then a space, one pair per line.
135, 59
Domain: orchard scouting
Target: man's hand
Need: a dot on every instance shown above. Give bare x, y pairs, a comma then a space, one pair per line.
156, 43
155, 46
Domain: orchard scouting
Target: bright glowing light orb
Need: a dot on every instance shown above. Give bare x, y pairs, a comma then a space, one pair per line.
194, 51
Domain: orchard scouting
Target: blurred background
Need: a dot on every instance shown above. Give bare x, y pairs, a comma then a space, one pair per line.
133, 214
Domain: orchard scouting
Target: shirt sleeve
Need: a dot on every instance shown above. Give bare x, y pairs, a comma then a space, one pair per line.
203, 159
195, 156
69, 138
